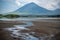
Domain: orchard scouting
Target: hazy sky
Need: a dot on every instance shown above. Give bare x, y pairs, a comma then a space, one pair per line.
12, 5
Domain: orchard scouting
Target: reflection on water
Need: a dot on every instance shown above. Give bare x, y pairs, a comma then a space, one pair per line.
24, 33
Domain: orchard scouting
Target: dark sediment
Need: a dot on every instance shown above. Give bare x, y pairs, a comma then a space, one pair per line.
39, 27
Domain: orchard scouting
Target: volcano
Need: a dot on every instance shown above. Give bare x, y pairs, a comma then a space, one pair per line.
34, 9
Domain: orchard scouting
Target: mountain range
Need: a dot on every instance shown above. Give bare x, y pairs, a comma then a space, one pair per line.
34, 9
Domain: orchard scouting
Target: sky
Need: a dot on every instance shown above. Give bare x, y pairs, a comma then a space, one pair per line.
12, 5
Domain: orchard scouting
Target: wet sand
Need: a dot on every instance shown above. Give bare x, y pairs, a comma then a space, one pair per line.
39, 27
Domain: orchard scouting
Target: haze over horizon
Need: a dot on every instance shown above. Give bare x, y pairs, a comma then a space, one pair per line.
12, 5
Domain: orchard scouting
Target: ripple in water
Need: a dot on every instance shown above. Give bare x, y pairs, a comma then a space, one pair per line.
16, 32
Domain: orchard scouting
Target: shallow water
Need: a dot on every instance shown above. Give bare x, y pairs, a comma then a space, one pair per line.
31, 19
16, 32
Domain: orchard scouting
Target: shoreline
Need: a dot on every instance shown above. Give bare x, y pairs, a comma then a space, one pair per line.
39, 27
32, 19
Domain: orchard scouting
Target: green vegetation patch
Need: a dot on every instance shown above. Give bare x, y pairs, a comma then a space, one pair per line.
1, 16
17, 16
11, 16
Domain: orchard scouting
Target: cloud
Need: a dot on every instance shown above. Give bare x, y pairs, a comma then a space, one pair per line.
8, 6
47, 4
12, 5
18, 3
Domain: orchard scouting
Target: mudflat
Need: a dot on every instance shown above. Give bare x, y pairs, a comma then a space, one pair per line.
39, 27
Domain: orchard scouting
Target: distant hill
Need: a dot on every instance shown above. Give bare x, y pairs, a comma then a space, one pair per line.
34, 9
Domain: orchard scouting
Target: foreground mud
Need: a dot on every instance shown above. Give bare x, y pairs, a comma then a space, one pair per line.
34, 31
